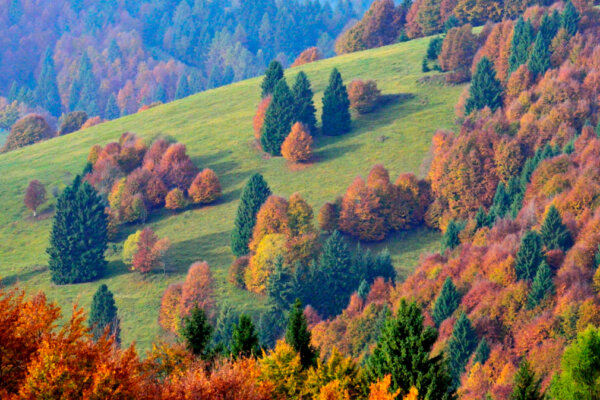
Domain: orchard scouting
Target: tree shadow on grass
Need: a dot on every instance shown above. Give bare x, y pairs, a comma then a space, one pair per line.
183, 253
333, 151
26, 274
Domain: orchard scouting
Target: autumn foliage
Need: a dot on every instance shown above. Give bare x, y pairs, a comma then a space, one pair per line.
259, 117
298, 144
363, 96
205, 188
309, 55
35, 195
150, 254
28, 130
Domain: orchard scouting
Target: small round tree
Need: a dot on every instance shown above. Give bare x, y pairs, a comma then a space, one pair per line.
35, 196
28, 130
175, 200
205, 188
72, 122
363, 96
298, 144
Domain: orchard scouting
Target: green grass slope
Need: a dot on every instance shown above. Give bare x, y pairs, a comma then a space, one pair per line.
216, 127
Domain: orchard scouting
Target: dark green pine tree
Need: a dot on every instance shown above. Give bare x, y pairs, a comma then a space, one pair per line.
333, 278
336, 106
539, 60
244, 340
529, 256
78, 238
542, 286
527, 386
223, 332
280, 285
298, 336
403, 352
450, 239
554, 233
47, 95
196, 332
183, 88
461, 345
570, 18
304, 108
486, 90
481, 218
112, 110
501, 204
519, 46
103, 314
87, 93
273, 75
159, 93
383, 266
446, 303
255, 193
549, 26
482, 352
363, 290
278, 119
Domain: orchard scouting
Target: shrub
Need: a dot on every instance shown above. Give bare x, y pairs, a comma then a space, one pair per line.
205, 188
298, 144
92, 122
175, 200
28, 130
363, 95
72, 122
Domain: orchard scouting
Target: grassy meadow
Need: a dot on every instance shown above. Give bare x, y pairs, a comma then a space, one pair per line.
216, 127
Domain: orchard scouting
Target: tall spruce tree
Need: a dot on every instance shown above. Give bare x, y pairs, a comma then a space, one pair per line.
255, 193
104, 313
84, 91
196, 332
280, 285
482, 352
47, 95
529, 256
570, 18
486, 90
183, 88
446, 303
450, 239
554, 233
542, 286
78, 238
501, 204
481, 218
403, 352
112, 110
278, 119
298, 336
333, 277
244, 339
336, 106
273, 75
549, 26
519, 46
539, 60
527, 386
223, 332
461, 345
304, 108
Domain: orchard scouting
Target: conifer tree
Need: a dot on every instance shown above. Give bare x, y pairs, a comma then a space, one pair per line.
47, 89
363, 290
461, 345
244, 340
273, 75
446, 303
542, 286
481, 218
482, 352
529, 256
486, 90
255, 193
304, 108
383, 267
112, 110
196, 332
549, 26
183, 88
78, 238
104, 313
223, 332
336, 106
84, 90
280, 285
159, 94
539, 61
333, 276
570, 18
402, 351
114, 51
298, 336
501, 204
519, 46
554, 233
527, 386
278, 119
450, 239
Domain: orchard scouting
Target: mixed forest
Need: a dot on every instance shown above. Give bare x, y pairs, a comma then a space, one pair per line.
505, 306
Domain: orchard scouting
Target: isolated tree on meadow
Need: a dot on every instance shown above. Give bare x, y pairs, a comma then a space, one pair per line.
28, 130
278, 119
104, 313
273, 75
255, 193
205, 188
297, 146
35, 196
336, 114
304, 107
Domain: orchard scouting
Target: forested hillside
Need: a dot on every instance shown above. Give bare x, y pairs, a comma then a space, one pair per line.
413, 221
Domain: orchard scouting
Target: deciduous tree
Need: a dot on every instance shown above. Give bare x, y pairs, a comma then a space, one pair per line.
35, 195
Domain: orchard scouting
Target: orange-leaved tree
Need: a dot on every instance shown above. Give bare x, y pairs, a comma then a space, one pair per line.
297, 146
